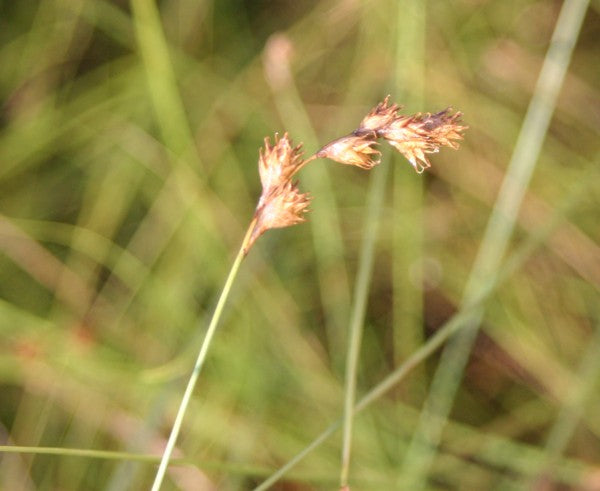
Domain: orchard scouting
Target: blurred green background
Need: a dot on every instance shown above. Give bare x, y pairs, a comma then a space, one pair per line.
129, 138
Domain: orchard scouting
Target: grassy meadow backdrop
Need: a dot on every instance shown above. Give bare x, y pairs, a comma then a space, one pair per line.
129, 137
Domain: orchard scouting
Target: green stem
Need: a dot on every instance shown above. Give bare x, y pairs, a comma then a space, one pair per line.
365, 270
166, 457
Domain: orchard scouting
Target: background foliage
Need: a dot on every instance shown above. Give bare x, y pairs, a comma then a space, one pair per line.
129, 137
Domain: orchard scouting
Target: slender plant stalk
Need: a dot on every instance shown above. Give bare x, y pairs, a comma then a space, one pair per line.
78, 452
166, 457
365, 270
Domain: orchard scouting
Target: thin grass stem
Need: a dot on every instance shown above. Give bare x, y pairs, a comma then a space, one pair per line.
200, 362
161, 79
79, 452
365, 271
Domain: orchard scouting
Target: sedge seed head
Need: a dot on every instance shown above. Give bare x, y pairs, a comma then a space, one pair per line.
353, 149
417, 135
277, 163
281, 204
379, 117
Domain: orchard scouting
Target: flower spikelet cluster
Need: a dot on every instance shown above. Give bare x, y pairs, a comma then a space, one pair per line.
413, 136
358, 150
417, 135
380, 116
281, 203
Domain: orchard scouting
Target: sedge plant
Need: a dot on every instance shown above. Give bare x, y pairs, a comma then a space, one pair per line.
281, 204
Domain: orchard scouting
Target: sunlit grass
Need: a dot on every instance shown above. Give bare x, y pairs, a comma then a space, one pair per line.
128, 149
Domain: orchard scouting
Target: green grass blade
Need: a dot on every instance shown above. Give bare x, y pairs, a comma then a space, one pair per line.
164, 94
359, 307
198, 366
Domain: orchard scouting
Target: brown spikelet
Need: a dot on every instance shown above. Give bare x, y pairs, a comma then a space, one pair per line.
277, 163
379, 117
284, 206
358, 150
281, 204
420, 134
